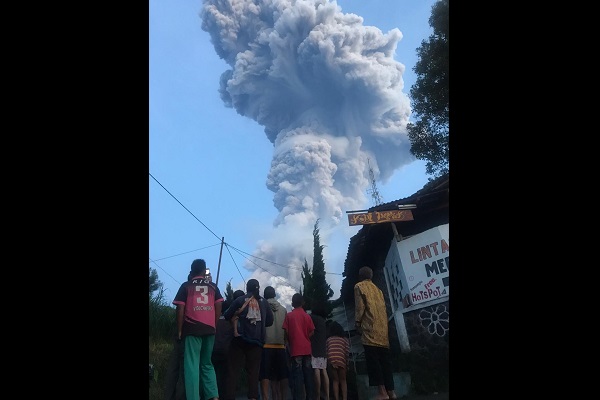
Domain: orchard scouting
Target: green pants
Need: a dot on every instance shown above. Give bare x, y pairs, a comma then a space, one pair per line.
197, 367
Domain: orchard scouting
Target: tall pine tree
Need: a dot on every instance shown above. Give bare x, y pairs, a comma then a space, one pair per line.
228, 291
316, 288
307, 286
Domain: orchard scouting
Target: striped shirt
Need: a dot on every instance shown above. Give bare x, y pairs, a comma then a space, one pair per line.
338, 348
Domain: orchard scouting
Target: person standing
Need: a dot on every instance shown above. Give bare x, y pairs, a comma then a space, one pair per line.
299, 328
221, 348
198, 303
254, 315
274, 370
338, 349
234, 319
372, 325
318, 342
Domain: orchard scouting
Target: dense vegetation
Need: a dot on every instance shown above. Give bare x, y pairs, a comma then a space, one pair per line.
430, 95
161, 332
316, 290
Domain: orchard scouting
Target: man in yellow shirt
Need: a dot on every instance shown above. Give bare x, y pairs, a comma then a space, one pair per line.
372, 324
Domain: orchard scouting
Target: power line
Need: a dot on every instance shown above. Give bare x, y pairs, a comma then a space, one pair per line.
152, 261
262, 259
218, 237
227, 245
180, 254
234, 263
272, 262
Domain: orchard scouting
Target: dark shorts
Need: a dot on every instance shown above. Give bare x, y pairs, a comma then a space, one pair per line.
274, 365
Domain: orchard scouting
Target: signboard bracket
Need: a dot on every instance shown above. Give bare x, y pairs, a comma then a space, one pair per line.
396, 234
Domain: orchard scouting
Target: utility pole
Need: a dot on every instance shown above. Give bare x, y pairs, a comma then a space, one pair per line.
220, 254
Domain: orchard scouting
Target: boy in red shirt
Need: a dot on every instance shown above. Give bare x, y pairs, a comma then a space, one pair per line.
299, 327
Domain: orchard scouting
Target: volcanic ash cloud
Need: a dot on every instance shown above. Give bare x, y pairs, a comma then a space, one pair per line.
328, 93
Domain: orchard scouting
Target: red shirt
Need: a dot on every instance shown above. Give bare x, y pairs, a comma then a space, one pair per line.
299, 326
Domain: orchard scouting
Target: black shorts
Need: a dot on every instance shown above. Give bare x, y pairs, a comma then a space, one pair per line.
274, 365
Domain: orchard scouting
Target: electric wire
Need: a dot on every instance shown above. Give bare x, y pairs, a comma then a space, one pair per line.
227, 245
234, 263
187, 252
154, 262
177, 200
277, 264
249, 260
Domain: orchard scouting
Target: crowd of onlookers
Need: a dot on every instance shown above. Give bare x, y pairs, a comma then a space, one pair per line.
220, 341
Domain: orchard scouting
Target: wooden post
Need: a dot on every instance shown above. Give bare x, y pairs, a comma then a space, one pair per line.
396, 234
219, 267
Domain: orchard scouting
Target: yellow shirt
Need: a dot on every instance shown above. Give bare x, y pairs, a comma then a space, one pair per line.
371, 313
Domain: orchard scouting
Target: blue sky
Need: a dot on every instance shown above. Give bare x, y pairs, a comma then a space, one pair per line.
300, 130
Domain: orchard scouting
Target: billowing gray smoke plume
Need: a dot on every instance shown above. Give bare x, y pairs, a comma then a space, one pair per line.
329, 95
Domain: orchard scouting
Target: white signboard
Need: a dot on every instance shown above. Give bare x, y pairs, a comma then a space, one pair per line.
396, 280
425, 262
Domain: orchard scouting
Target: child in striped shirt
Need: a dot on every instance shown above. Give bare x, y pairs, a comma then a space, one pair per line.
338, 349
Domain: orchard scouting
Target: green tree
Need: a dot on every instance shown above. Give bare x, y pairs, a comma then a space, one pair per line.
307, 286
228, 291
316, 288
430, 96
155, 284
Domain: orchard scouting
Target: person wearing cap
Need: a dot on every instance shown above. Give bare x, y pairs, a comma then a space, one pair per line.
198, 303
253, 316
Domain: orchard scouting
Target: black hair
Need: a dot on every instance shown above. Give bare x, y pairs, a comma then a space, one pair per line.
335, 329
365, 273
297, 300
198, 266
269, 292
253, 287
319, 309
238, 293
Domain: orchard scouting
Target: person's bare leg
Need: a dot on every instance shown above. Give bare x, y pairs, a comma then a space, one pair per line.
317, 372
274, 387
325, 380
343, 383
382, 393
283, 389
275, 390
336, 383
264, 389
391, 394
